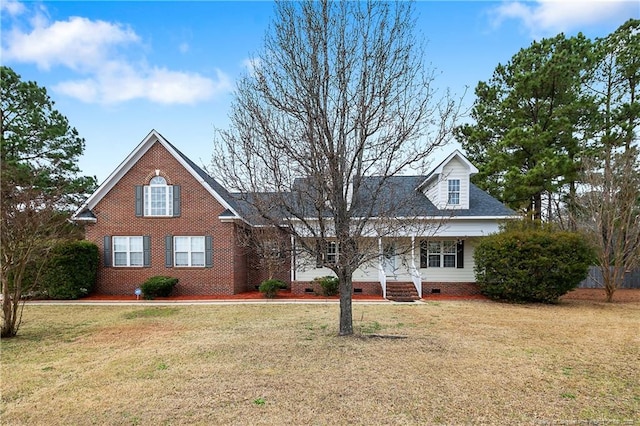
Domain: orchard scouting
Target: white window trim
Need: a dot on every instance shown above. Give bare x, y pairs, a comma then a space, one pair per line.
442, 253
128, 251
168, 197
189, 252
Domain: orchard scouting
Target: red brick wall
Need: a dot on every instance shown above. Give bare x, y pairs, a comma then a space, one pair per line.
199, 216
455, 289
369, 288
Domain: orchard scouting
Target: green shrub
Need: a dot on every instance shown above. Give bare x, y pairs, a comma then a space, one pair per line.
270, 288
71, 270
328, 284
531, 264
158, 286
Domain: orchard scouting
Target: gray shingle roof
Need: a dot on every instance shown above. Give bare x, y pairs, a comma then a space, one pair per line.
213, 184
397, 195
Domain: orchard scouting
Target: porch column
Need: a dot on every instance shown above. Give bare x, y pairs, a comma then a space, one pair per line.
415, 272
382, 276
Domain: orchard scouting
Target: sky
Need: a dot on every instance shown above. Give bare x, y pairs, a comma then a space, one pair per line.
118, 69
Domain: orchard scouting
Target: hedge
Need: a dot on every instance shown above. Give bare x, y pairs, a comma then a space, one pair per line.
70, 272
531, 265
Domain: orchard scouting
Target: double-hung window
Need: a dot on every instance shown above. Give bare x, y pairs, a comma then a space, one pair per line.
441, 254
453, 191
448, 254
128, 251
189, 251
158, 198
331, 254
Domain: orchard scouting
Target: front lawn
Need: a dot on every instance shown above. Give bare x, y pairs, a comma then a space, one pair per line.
456, 362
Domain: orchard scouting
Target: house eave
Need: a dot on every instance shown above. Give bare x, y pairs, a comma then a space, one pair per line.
84, 219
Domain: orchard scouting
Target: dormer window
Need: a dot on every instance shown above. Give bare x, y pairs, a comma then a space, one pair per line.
157, 199
453, 191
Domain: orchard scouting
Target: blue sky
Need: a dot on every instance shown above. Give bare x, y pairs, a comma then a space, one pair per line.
117, 69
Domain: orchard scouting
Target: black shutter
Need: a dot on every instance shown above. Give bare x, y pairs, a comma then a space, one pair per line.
168, 251
106, 252
460, 253
176, 200
146, 254
139, 200
208, 251
320, 254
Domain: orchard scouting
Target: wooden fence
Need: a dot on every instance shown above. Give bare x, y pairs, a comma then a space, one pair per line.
594, 279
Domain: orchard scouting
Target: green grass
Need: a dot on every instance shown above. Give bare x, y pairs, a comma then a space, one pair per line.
458, 362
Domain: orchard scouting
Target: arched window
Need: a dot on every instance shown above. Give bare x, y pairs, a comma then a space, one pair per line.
158, 198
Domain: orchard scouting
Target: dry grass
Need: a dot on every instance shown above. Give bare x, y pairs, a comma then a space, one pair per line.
462, 362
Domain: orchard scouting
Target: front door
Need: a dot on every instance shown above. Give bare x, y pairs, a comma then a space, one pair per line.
389, 259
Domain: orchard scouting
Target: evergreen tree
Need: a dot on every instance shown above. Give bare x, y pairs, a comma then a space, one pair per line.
528, 130
39, 185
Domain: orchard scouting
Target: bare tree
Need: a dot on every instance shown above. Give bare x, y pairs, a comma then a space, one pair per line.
609, 214
610, 207
340, 93
31, 224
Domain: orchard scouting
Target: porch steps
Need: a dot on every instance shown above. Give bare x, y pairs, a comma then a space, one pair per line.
402, 292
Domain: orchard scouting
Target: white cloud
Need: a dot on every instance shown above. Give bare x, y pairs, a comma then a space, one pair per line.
549, 17
98, 54
12, 7
118, 82
78, 43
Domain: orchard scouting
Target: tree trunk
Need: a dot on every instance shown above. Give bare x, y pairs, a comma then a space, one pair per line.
9, 312
346, 311
537, 206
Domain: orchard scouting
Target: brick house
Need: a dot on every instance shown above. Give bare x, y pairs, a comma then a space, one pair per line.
159, 213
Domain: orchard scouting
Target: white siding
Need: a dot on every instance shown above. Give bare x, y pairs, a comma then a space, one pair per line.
438, 191
433, 193
453, 275
455, 169
368, 273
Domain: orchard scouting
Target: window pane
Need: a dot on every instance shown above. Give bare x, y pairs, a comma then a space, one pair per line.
136, 258
434, 261
449, 247
197, 244
454, 191
197, 259
135, 244
449, 261
182, 259
158, 180
120, 259
158, 201
181, 244
119, 243
434, 247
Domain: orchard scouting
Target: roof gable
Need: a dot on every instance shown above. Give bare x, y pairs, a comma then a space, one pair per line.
210, 184
440, 168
